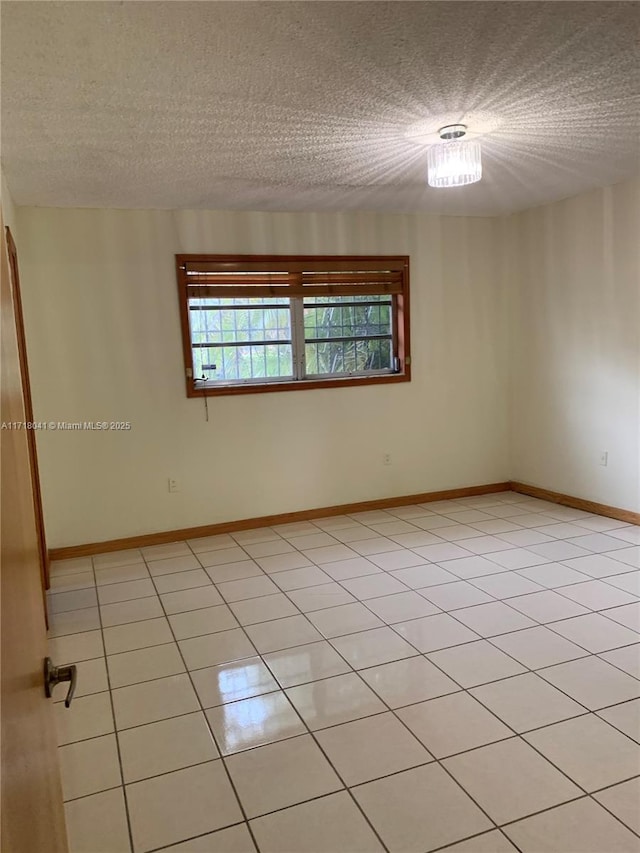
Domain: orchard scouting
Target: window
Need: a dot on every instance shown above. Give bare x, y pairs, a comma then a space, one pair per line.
274, 323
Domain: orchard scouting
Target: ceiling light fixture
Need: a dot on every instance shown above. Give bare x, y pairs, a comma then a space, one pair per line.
453, 163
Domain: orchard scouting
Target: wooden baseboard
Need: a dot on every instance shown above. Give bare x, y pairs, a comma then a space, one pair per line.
577, 503
166, 536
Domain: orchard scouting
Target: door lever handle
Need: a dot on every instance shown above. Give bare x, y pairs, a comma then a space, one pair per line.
55, 674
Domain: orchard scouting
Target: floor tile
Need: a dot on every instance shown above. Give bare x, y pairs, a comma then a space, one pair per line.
595, 565
209, 620
332, 553
92, 678
332, 823
434, 632
153, 701
74, 622
88, 716
190, 599
526, 537
373, 586
396, 560
335, 700
595, 632
627, 659
247, 588
579, 827
317, 539
423, 576
400, 607
489, 620
137, 610
283, 562
510, 780
258, 534
625, 717
547, 606
597, 542
184, 563
282, 634
302, 664
76, 647
299, 766
622, 800
628, 615
114, 592
589, 751
181, 804
488, 842
558, 549
144, 665
165, 552
230, 682
309, 576
475, 663
406, 681
211, 543
370, 648
419, 539
628, 556
122, 574
67, 583
58, 568
116, 558
182, 580
355, 567
458, 532
234, 571
254, 722
466, 568
486, 545
381, 545
453, 724
370, 748
553, 575
165, 746
439, 553
526, 702
269, 548
390, 528
506, 585
419, 809
61, 602
538, 647
320, 597
214, 649
137, 635
98, 824
354, 533
263, 609
451, 596
346, 619
89, 766
233, 839
592, 682
221, 557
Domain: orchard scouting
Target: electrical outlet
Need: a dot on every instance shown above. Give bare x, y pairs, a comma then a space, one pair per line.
386, 459
604, 458
174, 485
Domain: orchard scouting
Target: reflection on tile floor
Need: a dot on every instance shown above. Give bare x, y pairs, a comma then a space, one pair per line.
460, 675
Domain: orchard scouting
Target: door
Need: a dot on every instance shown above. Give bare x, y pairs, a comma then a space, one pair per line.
28, 409
32, 810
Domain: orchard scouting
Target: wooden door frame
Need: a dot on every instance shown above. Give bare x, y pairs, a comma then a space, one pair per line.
43, 552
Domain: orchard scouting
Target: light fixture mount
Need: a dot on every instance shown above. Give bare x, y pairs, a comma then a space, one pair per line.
452, 131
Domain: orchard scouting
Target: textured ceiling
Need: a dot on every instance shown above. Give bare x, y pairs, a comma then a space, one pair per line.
314, 105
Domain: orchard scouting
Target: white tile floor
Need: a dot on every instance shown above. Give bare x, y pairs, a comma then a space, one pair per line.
461, 675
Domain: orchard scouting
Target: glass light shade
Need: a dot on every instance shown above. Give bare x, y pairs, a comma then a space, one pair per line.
454, 164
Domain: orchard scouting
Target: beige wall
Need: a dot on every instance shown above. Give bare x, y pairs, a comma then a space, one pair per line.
101, 310
575, 345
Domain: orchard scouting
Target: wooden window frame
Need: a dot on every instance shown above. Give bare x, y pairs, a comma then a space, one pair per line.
395, 282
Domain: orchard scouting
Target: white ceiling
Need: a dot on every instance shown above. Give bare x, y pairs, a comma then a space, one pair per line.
314, 105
